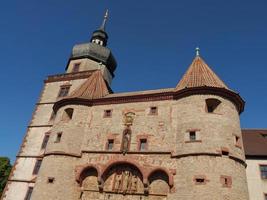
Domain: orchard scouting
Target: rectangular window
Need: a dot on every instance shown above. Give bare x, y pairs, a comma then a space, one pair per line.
76, 67
263, 169
143, 145
63, 91
37, 167
110, 145
107, 113
153, 110
50, 180
58, 138
29, 193
45, 141
192, 135
237, 141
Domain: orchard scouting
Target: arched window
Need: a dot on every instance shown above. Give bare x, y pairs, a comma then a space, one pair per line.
68, 113
212, 104
158, 183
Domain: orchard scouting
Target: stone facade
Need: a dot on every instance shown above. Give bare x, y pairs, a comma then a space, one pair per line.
153, 145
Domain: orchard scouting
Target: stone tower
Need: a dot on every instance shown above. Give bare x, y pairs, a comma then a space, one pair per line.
86, 142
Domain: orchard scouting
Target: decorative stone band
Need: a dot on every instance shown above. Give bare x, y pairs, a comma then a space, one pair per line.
158, 96
69, 76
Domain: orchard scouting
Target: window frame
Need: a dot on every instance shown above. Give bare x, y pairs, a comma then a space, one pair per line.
106, 115
37, 167
45, 141
58, 137
263, 174
110, 141
76, 67
140, 144
153, 110
62, 93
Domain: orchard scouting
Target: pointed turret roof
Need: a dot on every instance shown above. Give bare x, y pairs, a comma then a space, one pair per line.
199, 74
94, 87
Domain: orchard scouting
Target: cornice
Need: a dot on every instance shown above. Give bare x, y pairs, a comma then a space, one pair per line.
158, 96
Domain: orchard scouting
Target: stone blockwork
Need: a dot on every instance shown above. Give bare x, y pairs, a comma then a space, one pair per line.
21, 177
170, 167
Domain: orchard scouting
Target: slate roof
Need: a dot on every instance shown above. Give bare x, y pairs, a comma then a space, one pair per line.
200, 74
95, 52
94, 87
255, 144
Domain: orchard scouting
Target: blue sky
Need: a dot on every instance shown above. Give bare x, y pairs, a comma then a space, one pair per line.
153, 42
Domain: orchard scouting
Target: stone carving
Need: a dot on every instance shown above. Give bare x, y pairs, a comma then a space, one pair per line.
125, 181
126, 140
128, 118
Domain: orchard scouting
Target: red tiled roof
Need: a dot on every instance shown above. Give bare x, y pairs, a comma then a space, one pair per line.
200, 74
254, 142
93, 88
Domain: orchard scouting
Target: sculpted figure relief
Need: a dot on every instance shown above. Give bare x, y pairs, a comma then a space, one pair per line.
126, 140
125, 182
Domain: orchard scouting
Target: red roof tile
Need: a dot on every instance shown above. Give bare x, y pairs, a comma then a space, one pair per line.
200, 74
93, 88
255, 144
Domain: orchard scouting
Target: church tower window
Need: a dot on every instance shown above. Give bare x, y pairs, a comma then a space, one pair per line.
64, 90
76, 67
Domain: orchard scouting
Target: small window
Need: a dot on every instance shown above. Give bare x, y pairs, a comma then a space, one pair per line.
192, 136
237, 141
50, 180
200, 180
110, 145
76, 67
143, 145
45, 141
37, 167
225, 153
58, 137
29, 193
107, 113
153, 110
226, 181
68, 113
63, 91
212, 105
53, 116
263, 169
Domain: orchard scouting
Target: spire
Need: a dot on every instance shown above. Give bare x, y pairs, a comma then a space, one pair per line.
100, 36
102, 27
93, 88
199, 74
